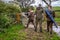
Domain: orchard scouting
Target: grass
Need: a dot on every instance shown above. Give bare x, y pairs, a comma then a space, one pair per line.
57, 14
55, 37
56, 8
57, 19
12, 33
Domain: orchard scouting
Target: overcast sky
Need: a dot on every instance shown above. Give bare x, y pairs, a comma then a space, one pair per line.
57, 3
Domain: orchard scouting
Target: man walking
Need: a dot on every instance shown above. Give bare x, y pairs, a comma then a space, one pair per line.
39, 12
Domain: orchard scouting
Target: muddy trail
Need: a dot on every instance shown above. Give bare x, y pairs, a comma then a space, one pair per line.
30, 34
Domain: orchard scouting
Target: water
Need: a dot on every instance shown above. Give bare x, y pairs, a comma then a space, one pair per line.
57, 30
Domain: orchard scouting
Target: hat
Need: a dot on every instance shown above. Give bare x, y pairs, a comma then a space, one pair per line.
31, 11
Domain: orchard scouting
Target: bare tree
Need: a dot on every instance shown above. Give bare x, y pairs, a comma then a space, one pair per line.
45, 2
25, 3
50, 1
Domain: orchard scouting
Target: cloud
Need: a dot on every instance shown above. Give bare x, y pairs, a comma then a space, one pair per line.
57, 3
54, 3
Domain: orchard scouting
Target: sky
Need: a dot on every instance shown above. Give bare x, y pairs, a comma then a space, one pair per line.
57, 3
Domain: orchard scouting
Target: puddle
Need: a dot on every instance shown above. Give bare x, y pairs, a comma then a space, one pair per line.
57, 30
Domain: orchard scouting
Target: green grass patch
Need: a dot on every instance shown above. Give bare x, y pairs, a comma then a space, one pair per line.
57, 19
12, 33
56, 8
55, 37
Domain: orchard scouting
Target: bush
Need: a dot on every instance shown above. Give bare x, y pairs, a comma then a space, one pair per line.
6, 10
3, 22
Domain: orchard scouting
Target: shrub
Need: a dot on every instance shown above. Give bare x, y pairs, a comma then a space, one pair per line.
6, 10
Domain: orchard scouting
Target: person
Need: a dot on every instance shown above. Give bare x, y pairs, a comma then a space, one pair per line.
49, 22
31, 17
39, 12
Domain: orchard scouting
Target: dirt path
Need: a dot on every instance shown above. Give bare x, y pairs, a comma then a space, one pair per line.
30, 34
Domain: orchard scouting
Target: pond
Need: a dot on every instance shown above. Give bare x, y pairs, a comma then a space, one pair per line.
57, 30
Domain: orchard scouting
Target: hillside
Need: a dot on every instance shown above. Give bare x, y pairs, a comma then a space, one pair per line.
57, 15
